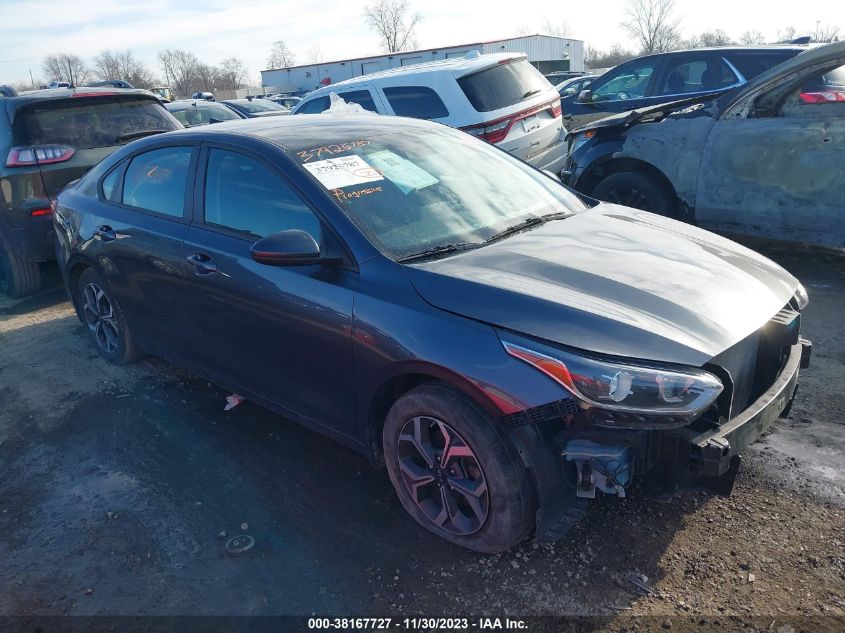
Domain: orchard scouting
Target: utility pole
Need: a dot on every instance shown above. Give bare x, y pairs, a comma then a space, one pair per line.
31, 80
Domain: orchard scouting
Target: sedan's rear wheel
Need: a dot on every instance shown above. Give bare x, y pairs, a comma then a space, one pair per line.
104, 320
455, 472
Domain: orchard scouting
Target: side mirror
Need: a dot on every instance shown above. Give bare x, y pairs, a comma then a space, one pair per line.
585, 95
287, 248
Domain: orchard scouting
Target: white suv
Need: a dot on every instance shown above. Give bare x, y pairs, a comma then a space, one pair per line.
500, 98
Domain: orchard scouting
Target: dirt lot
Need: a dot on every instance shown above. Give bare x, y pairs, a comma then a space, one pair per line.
119, 487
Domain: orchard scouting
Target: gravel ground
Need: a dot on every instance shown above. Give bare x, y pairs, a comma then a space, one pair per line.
120, 486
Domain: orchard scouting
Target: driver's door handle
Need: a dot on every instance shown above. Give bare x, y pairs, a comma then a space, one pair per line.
105, 233
202, 263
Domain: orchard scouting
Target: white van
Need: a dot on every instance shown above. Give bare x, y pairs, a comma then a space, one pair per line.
500, 98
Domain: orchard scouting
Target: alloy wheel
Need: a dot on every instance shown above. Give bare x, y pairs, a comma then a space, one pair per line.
100, 318
443, 476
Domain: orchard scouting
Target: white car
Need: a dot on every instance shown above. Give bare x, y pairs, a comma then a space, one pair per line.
500, 98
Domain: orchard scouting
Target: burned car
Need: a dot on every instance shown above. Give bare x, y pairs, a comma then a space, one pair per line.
503, 348
765, 159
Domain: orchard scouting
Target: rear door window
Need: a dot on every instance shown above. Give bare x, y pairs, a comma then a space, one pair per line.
244, 195
111, 189
503, 85
85, 123
315, 106
418, 102
362, 97
751, 64
695, 74
156, 180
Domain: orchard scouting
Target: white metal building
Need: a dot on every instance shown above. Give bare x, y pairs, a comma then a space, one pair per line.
547, 53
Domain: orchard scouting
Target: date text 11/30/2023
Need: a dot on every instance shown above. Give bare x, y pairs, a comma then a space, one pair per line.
417, 623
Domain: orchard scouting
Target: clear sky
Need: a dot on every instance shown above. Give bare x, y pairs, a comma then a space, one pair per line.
217, 29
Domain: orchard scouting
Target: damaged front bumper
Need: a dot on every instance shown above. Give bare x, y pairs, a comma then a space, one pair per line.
709, 454
569, 466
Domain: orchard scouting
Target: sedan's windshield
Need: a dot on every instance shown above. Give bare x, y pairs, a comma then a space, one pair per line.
418, 191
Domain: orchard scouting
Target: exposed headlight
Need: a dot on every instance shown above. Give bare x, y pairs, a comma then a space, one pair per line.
801, 297
582, 138
618, 386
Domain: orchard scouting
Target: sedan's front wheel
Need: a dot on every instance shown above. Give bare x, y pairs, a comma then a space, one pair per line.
454, 471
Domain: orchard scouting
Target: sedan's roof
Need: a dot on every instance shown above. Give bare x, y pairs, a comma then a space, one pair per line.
295, 132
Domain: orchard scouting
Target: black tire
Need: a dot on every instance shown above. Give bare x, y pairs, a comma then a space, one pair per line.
638, 190
509, 497
18, 277
107, 328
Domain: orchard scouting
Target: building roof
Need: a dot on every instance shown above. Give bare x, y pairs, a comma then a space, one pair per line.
420, 50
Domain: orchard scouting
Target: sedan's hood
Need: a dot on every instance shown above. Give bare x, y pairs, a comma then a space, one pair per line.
616, 281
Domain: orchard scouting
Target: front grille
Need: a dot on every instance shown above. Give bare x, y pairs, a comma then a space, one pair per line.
750, 367
740, 362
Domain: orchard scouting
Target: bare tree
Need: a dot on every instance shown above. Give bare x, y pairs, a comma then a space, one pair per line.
708, 39
20, 86
106, 65
591, 53
549, 28
134, 70
751, 37
595, 58
390, 19
66, 67
826, 33
205, 78
787, 34
652, 25
280, 56
314, 55
562, 29
180, 69
122, 65
232, 73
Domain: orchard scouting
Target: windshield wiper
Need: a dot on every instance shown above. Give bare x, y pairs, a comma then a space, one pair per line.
527, 223
131, 135
444, 249
530, 93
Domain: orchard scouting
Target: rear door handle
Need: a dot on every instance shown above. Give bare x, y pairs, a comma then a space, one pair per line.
203, 264
105, 233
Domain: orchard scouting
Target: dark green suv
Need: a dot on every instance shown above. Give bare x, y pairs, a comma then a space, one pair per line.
49, 138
